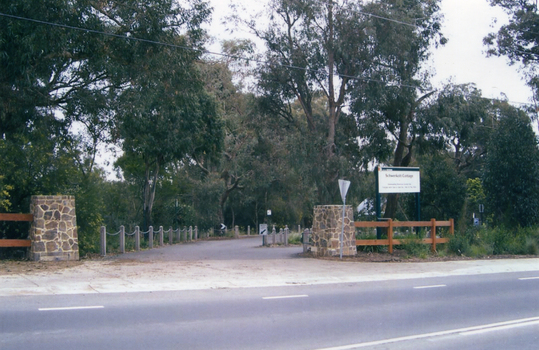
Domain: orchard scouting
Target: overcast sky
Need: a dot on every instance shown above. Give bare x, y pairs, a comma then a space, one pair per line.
462, 59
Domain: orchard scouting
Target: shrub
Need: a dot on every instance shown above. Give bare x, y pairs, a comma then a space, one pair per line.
294, 238
459, 245
413, 246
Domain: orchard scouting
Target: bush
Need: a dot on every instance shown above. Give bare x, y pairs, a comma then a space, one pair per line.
413, 246
294, 238
459, 245
479, 242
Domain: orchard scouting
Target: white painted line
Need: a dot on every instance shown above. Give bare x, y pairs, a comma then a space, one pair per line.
528, 278
433, 286
500, 328
469, 330
287, 297
71, 308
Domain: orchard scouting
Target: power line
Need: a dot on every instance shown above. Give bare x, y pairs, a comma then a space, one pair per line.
389, 19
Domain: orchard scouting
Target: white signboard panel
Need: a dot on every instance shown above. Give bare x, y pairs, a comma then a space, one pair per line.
263, 229
399, 180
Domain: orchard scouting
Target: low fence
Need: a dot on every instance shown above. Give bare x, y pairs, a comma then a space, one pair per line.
9, 243
154, 237
276, 238
390, 224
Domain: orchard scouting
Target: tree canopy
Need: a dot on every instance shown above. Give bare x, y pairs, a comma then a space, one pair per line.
518, 40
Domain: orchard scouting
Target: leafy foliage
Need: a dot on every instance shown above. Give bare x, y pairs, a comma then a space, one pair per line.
511, 177
518, 39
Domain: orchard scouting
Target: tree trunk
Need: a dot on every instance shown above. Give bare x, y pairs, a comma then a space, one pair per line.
398, 160
149, 194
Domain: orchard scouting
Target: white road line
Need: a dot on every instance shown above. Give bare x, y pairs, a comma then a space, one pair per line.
70, 308
433, 286
464, 331
287, 297
528, 278
500, 328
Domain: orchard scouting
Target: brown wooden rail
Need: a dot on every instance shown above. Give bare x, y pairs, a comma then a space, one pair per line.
390, 224
4, 243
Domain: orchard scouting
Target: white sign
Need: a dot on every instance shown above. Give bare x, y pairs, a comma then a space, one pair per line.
263, 230
269, 212
399, 180
343, 186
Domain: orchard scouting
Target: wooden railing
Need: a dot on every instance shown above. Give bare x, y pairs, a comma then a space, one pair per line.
390, 224
15, 242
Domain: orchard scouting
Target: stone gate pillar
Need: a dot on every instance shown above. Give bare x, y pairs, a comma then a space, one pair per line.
327, 226
54, 229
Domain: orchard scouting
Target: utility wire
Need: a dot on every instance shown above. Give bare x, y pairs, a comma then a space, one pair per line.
389, 19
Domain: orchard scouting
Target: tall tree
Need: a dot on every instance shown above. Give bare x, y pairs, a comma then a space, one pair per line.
460, 120
518, 40
163, 111
511, 177
387, 104
232, 166
313, 48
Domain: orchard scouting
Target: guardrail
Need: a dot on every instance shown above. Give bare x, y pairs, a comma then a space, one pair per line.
8, 243
390, 224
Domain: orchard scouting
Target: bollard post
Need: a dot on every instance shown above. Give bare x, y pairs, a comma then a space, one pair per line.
196, 233
305, 240
190, 233
236, 231
103, 233
286, 235
161, 236
273, 234
170, 235
137, 238
249, 230
150, 237
185, 233
122, 239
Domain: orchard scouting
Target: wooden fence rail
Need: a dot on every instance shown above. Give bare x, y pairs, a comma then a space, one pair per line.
8, 243
390, 224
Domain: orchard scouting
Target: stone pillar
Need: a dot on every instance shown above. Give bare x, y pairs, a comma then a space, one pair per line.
54, 229
327, 226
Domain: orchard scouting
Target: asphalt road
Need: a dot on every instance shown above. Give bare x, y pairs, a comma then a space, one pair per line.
493, 311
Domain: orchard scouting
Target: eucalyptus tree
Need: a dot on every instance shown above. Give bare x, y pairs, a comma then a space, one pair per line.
518, 39
387, 105
461, 120
227, 170
163, 112
312, 48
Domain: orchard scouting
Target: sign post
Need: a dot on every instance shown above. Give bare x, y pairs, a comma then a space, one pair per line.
343, 186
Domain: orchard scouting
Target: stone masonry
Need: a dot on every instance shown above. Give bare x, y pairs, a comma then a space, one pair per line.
327, 226
54, 229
